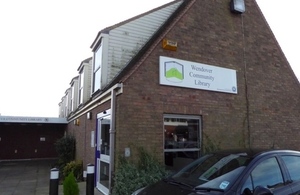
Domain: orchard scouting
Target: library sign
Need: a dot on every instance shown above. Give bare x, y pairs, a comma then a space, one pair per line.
21, 119
181, 73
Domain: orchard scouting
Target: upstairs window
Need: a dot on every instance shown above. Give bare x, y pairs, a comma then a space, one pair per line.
72, 99
66, 105
81, 81
97, 68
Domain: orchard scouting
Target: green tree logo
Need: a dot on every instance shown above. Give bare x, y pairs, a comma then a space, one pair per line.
174, 71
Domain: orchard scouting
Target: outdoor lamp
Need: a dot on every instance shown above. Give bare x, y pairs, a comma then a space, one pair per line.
237, 6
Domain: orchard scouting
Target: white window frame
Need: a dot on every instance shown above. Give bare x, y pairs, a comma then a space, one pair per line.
97, 65
176, 116
72, 97
81, 86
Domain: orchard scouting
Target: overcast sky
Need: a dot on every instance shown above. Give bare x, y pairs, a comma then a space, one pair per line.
42, 43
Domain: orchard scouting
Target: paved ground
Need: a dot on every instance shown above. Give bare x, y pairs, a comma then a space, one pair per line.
30, 177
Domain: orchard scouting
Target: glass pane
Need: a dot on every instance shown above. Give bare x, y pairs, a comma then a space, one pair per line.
181, 133
247, 187
267, 174
105, 146
214, 171
80, 96
97, 68
104, 174
97, 77
98, 58
293, 166
81, 80
181, 140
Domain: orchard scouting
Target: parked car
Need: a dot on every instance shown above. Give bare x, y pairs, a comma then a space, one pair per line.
240, 172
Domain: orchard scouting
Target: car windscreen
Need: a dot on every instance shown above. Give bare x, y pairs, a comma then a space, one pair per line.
214, 171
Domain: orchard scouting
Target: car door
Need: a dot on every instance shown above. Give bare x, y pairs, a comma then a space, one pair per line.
266, 173
292, 163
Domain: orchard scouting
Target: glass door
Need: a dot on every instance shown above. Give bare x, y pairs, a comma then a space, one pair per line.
103, 157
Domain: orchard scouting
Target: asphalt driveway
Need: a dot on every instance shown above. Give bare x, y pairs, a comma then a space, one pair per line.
25, 177
29, 177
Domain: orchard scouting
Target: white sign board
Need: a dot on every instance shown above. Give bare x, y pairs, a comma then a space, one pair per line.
181, 73
23, 119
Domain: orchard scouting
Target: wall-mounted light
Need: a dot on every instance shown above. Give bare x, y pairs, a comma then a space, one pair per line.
237, 6
89, 115
76, 122
42, 139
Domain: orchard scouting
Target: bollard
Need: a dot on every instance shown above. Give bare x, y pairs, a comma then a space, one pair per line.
54, 180
90, 179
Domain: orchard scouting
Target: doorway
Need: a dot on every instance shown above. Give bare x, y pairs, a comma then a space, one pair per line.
103, 152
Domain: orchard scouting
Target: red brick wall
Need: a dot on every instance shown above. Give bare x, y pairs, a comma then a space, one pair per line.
82, 133
208, 33
265, 112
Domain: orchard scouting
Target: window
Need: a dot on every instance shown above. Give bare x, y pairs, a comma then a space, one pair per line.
67, 105
213, 171
97, 68
72, 98
181, 140
266, 174
293, 166
81, 87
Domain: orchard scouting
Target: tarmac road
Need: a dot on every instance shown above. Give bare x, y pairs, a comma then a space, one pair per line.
30, 177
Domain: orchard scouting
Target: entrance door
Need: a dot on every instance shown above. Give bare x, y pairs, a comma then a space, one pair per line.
103, 154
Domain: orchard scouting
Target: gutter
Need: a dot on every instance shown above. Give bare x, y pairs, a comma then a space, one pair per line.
98, 101
113, 92
112, 136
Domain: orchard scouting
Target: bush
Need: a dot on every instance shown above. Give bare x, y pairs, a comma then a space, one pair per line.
74, 167
209, 145
132, 176
70, 186
65, 148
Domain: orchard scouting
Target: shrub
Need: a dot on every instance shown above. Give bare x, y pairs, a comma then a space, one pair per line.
70, 186
74, 167
65, 148
209, 145
131, 176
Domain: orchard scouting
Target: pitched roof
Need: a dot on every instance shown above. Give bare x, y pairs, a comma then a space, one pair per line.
83, 62
171, 20
107, 29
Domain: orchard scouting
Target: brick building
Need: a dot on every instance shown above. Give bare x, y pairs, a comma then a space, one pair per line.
187, 77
